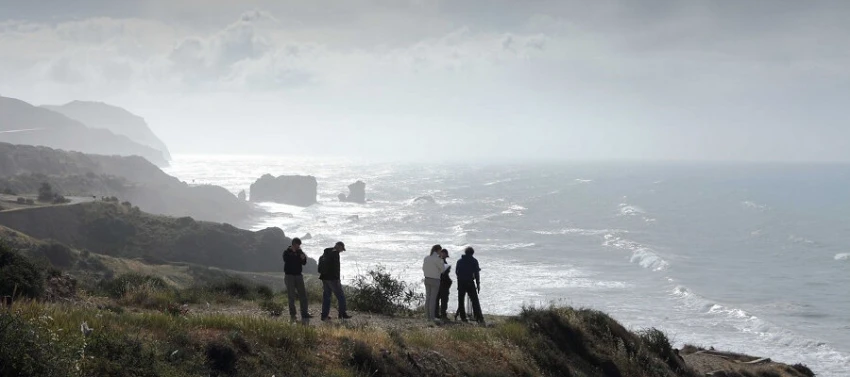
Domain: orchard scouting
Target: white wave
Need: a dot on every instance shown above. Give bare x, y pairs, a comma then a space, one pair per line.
754, 205
630, 210
579, 180
510, 246
496, 182
641, 254
800, 240
514, 210
842, 256
580, 231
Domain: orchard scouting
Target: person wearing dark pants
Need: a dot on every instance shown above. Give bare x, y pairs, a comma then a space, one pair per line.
468, 283
293, 261
329, 267
445, 286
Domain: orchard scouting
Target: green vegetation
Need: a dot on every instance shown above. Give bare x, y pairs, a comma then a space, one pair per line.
19, 275
46, 194
378, 291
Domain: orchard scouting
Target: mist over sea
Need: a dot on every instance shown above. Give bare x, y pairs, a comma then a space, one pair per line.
751, 258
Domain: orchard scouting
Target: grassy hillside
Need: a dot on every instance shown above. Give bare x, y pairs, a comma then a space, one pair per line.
24, 168
121, 231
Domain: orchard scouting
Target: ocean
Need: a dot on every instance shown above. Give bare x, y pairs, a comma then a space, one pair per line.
751, 258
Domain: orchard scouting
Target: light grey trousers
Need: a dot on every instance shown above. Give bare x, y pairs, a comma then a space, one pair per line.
432, 291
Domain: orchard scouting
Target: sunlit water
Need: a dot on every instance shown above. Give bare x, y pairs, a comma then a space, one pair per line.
747, 258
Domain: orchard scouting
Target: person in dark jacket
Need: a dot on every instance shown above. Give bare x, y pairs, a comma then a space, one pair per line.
445, 286
293, 261
468, 283
329, 267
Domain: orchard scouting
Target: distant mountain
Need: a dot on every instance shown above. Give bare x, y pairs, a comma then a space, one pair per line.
113, 118
22, 123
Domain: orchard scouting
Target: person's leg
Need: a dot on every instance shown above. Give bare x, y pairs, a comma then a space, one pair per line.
432, 302
336, 285
429, 309
461, 300
326, 298
443, 300
476, 305
302, 295
289, 280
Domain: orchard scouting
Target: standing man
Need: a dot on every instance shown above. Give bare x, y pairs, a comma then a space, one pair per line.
293, 261
433, 267
329, 274
445, 286
468, 283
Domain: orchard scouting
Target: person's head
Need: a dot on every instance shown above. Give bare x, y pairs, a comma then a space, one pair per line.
436, 249
296, 244
444, 254
339, 247
469, 251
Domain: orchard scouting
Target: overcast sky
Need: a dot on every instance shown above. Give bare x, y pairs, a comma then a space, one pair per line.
453, 79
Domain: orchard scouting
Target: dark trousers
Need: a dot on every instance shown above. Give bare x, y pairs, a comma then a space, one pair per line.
335, 287
443, 298
467, 287
295, 285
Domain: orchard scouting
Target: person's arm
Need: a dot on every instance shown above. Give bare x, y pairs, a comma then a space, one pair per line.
477, 277
303, 258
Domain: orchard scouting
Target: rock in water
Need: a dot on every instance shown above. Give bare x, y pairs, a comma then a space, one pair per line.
294, 190
306, 237
242, 195
356, 193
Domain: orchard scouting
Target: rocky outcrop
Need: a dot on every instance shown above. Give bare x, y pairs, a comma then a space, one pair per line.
356, 193
118, 120
27, 124
294, 190
425, 199
242, 196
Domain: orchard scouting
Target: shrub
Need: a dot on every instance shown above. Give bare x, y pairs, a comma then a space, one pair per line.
45, 193
380, 292
116, 354
19, 275
221, 357
118, 287
29, 202
8, 191
241, 289
28, 349
659, 345
22, 201
57, 254
264, 292
275, 309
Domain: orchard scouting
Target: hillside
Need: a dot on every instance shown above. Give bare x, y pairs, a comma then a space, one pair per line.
121, 231
23, 168
40, 126
112, 118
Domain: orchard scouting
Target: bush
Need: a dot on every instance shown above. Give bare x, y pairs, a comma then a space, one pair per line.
21, 201
222, 358
116, 354
380, 292
45, 193
241, 289
118, 287
19, 275
27, 349
29, 202
8, 191
58, 254
275, 309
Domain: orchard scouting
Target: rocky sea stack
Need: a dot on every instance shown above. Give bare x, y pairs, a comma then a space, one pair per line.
294, 190
356, 193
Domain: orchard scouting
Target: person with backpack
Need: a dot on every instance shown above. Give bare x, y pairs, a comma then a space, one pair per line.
468, 283
329, 274
433, 267
445, 286
293, 261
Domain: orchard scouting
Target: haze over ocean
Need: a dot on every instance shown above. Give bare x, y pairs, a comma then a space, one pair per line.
742, 257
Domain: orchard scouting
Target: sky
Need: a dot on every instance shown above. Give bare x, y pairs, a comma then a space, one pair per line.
756, 80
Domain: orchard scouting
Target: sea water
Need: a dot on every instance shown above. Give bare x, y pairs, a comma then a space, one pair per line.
751, 258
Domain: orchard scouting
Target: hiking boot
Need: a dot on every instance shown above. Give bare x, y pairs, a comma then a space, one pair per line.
344, 316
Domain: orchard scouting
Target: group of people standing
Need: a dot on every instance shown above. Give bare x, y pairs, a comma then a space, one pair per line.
438, 283
294, 260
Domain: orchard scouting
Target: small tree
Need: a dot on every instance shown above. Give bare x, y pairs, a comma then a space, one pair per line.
45, 193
